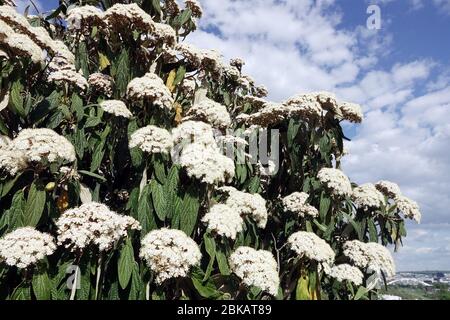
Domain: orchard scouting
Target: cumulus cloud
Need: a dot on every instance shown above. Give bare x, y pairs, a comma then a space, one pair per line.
295, 46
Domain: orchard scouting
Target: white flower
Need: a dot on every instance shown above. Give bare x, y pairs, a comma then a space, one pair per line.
116, 107
10, 16
256, 268
224, 221
61, 51
165, 33
24, 247
84, 17
351, 112
102, 83
152, 139
169, 253
346, 272
296, 203
309, 245
42, 146
389, 189
246, 204
336, 181
93, 223
306, 105
120, 17
211, 112
206, 164
367, 196
63, 71
409, 207
194, 132
22, 45
261, 91
370, 255
152, 88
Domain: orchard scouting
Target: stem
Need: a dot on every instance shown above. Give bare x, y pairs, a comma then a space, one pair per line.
99, 272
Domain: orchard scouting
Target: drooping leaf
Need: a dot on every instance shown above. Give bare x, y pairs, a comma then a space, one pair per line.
125, 263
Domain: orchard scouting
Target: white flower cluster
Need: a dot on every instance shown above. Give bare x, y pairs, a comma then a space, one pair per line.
389, 189
211, 112
67, 74
336, 181
346, 272
103, 83
297, 203
206, 164
188, 86
93, 223
43, 146
309, 245
237, 62
367, 196
152, 139
19, 43
152, 88
246, 204
256, 268
22, 45
195, 8
24, 247
84, 18
351, 112
307, 105
370, 255
31, 41
169, 253
121, 17
116, 107
224, 221
193, 132
269, 114
165, 33
409, 207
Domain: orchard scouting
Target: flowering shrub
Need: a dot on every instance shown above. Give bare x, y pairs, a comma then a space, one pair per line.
126, 170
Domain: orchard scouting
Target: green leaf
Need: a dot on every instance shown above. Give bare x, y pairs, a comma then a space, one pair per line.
122, 75
93, 175
160, 170
325, 203
125, 263
189, 213
136, 283
181, 72
222, 262
373, 235
42, 286
145, 212
302, 290
159, 200
97, 157
170, 190
360, 293
16, 99
206, 290
77, 106
157, 6
210, 247
82, 59
35, 204
21, 292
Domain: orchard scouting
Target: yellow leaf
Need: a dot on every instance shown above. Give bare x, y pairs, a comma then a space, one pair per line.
178, 113
63, 201
171, 79
103, 61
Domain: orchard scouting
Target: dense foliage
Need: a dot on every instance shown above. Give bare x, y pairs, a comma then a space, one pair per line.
96, 198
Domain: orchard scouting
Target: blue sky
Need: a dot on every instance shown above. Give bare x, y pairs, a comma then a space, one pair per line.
400, 74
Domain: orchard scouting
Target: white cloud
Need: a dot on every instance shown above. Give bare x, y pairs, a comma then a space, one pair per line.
298, 45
